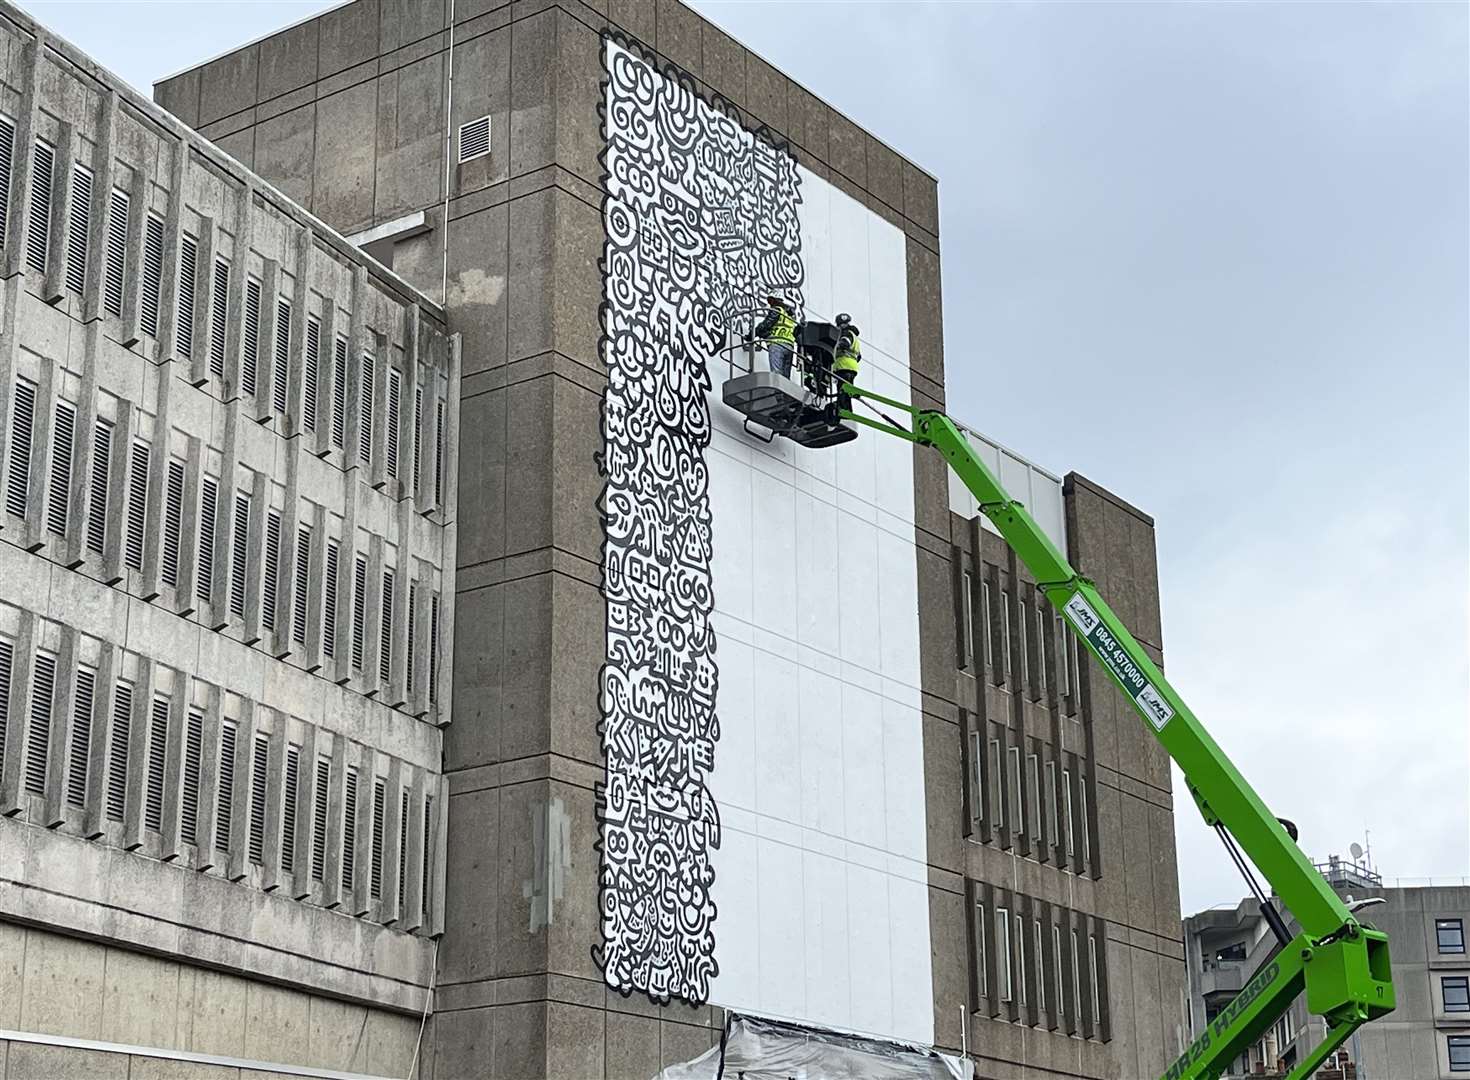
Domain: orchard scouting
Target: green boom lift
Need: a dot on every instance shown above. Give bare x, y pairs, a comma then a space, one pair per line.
1342, 964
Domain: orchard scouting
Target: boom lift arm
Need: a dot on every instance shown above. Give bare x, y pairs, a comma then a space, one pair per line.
1342, 965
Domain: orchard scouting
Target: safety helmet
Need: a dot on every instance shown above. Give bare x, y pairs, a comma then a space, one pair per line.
843, 319
780, 297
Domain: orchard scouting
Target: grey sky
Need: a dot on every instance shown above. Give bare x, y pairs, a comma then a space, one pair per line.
1215, 258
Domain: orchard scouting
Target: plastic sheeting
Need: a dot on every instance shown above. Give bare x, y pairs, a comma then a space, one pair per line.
756, 1049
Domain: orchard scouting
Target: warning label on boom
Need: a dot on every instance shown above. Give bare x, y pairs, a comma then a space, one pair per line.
1149, 701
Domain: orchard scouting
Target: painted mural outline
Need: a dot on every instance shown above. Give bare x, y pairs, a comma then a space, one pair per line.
701, 220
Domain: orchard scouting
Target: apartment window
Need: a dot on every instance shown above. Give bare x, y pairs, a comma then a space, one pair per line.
349, 828
303, 582
79, 221
1020, 954
997, 810
115, 262
339, 393
1067, 808
193, 766
1082, 820
1005, 636
18, 480
208, 513
225, 801
1013, 760
434, 648
1459, 1048
250, 339
329, 601
272, 572
259, 771
359, 610
38, 738
80, 751
395, 390
418, 435
319, 819
101, 468
1455, 991
1072, 659
38, 234
62, 448
1056, 953
137, 506
385, 630
157, 763
288, 807
117, 751
173, 519
1041, 625
1003, 971
967, 609
977, 772
365, 411
282, 368
240, 555
439, 454
1096, 996
982, 984
1450, 934
1064, 675
375, 877
184, 310
413, 591
1033, 801
152, 291
1025, 649
311, 373
7, 153
1040, 968
985, 643
1076, 974
1051, 802
219, 311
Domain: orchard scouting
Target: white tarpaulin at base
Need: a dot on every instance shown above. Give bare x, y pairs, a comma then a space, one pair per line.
755, 1049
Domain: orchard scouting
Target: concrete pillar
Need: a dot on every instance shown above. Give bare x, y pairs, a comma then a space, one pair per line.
103, 178
52, 283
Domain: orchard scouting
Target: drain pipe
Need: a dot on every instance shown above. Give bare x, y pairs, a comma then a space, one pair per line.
448, 139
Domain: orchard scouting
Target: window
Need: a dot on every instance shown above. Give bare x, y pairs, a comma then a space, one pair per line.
137, 506
193, 766
38, 234
38, 738
1450, 934
7, 153
434, 648
311, 373
1459, 1047
1076, 975
329, 601
79, 221
977, 772
208, 513
303, 582
117, 752
240, 555
1063, 673
259, 770
349, 828
359, 610
18, 479
985, 624
375, 877
1025, 650
1013, 759
1040, 964
219, 311
173, 518
967, 609
1003, 971
1041, 624
272, 572
385, 629
62, 448
365, 411
439, 454
339, 393
250, 339
997, 780
101, 468
226, 793
1051, 802
1033, 801
1056, 955
319, 819
395, 391
1074, 662
157, 763
981, 983
1093, 976
1067, 808
474, 139
1082, 820
184, 312
1455, 990
152, 289
1020, 953
1005, 636
282, 369
288, 807
80, 752
115, 263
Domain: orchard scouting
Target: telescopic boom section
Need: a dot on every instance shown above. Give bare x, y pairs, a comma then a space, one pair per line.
1343, 966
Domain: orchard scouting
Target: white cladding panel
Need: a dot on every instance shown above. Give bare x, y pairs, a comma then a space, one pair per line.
1036, 489
820, 886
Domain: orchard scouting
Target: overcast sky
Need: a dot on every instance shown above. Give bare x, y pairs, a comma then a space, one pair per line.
1215, 258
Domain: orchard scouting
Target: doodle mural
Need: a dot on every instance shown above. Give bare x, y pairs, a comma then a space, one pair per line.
701, 219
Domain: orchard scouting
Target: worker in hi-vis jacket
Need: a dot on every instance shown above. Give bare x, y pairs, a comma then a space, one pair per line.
778, 331
846, 358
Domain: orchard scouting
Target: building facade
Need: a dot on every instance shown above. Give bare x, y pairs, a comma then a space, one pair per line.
614, 718
1427, 1034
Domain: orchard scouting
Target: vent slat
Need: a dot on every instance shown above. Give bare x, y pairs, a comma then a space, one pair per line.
157, 763
439, 455
434, 648
117, 751
23, 419
365, 415
38, 229
359, 610
329, 601
260, 760
375, 877
7, 157
385, 629
137, 505
240, 555
319, 819
219, 300
38, 738
250, 345
6, 656
288, 808
349, 828
418, 437
173, 520
272, 571
152, 275
101, 474
311, 373
394, 393
79, 223
402, 847
63, 441
208, 514
474, 139
339, 393
225, 796
80, 752
413, 592
282, 369
303, 582
188, 285
193, 767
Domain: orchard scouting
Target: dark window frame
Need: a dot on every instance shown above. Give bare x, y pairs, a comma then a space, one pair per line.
1455, 927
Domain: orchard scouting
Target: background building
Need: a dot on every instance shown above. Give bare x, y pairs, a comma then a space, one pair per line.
722, 726
1427, 1035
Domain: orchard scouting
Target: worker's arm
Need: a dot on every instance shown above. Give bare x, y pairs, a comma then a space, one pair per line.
765, 326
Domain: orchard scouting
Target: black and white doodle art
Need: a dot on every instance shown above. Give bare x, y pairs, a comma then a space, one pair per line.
701, 219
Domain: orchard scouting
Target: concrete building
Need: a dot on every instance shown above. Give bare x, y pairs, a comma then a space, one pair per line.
1426, 1036
615, 720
